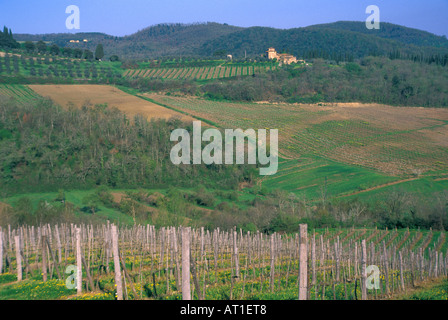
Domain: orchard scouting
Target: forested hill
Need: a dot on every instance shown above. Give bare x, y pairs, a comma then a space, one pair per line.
391, 31
180, 34
172, 39
303, 42
334, 40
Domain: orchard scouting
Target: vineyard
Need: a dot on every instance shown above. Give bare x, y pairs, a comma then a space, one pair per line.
376, 146
388, 139
198, 73
142, 262
21, 93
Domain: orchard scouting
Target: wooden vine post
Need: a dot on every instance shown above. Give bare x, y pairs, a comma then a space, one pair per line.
386, 268
272, 254
364, 270
1, 251
18, 258
401, 271
235, 255
78, 262
313, 259
303, 263
44, 257
186, 292
117, 269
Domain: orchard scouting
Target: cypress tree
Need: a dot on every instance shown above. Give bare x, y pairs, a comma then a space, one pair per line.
99, 52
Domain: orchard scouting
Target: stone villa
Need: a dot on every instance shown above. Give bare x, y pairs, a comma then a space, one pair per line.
281, 57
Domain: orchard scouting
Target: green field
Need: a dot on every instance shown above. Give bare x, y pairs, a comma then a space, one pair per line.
21, 93
308, 176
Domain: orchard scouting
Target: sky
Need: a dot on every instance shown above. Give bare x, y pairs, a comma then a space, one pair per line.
119, 18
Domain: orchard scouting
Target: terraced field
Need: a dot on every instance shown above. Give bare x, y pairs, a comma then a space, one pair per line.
198, 73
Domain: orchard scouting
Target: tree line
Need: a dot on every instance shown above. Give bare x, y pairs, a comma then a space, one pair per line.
7, 39
261, 209
371, 79
46, 147
42, 48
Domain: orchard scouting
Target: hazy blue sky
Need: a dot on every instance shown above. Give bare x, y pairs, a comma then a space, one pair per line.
118, 17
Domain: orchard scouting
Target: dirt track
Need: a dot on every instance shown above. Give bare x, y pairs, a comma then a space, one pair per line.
379, 187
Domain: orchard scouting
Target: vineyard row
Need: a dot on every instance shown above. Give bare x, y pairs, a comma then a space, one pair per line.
200, 73
142, 262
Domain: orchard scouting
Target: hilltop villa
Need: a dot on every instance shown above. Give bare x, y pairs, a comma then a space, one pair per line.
281, 57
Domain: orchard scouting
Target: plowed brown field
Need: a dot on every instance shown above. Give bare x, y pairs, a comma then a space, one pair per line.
81, 95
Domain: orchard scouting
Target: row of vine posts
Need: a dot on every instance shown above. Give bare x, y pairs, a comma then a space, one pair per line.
194, 258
